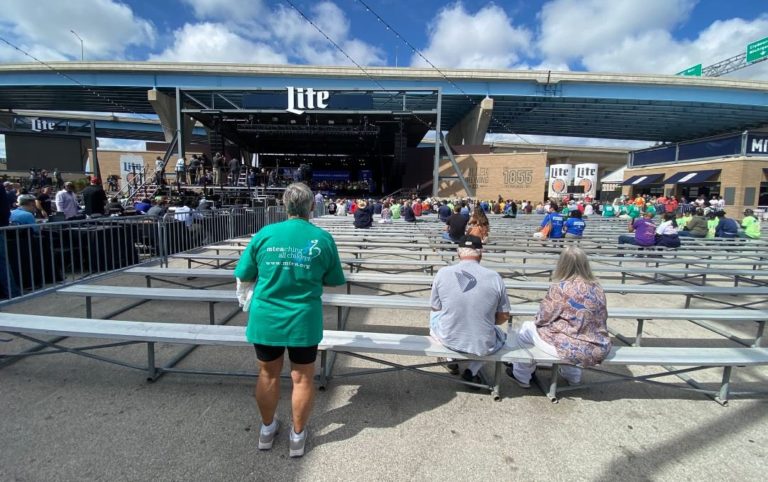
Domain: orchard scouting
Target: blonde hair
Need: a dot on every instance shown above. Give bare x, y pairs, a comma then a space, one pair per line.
573, 263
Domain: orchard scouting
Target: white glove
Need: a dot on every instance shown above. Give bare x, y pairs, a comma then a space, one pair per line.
244, 292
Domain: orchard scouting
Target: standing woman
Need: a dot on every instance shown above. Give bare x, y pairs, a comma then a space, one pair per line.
289, 262
571, 322
478, 225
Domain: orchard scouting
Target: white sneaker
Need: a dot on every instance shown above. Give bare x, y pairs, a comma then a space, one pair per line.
296, 443
267, 437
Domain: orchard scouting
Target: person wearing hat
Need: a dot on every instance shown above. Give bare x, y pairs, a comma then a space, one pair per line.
751, 225
94, 198
363, 215
468, 302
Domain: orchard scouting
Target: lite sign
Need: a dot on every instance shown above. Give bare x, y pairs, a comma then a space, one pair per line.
40, 125
300, 98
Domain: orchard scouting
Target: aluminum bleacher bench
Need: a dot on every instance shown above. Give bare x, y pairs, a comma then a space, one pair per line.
364, 345
342, 301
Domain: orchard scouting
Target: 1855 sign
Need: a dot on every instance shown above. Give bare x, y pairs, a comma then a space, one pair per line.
518, 177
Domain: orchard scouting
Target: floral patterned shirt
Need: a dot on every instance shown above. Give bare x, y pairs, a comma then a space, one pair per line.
572, 318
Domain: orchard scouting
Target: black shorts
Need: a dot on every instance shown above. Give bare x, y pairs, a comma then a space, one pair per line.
301, 355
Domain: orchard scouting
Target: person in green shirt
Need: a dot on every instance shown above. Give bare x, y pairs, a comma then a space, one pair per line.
650, 208
751, 225
289, 263
712, 222
633, 211
608, 211
395, 209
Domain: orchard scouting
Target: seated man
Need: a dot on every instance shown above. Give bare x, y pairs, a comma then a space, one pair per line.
25, 213
751, 225
455, 225
555, 220
468, 301
644, 229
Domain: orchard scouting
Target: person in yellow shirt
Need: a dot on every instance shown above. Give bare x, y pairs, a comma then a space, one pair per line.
751, 225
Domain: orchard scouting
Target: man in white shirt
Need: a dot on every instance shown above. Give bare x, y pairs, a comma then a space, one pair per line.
66, 202
181, 169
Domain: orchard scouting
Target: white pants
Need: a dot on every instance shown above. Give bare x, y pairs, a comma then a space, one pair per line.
527, 335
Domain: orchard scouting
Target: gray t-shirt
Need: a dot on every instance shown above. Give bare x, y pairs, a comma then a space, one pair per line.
465, 299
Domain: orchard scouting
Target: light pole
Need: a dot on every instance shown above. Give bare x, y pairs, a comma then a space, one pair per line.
82, 51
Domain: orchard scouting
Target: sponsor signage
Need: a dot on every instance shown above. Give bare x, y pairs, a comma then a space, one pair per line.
517, 177
757, 144
560, 177
300, 100
586, 177
40, 125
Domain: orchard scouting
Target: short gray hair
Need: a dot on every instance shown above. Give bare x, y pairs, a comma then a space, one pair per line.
468, 252
26, 199
298, 200
573, 263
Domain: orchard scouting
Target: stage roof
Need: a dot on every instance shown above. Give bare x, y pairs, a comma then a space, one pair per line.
619, 106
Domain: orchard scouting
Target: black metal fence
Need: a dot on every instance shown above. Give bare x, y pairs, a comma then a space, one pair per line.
46, 256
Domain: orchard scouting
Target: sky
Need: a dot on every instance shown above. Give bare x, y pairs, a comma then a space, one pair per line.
632, 36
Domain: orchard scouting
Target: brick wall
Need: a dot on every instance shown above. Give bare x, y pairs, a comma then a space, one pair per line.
738, 173
518, 176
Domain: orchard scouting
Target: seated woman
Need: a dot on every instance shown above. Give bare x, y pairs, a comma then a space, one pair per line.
571, 322
697, 226
478, 225
363, 215
386, 214
574, 225
666, 232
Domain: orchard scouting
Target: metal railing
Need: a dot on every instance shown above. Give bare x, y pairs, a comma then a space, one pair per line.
45, 257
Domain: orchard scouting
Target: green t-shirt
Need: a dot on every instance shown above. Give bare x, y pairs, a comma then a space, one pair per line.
608, 211
633, 211
684, 220
751, 227
711, 227
290, 262
395, 210
651, 209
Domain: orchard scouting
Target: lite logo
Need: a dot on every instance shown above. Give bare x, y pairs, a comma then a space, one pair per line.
39, 125
300, 98
585, 172
559, 172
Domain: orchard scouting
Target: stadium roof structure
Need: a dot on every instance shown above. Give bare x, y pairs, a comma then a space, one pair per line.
617, 106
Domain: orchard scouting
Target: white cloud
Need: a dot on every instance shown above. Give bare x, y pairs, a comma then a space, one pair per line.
488, 39
43, 28
638, 37
571, 29
214, 42
254, 33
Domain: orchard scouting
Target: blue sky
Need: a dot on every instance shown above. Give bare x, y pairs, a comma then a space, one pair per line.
632, 36
660, 36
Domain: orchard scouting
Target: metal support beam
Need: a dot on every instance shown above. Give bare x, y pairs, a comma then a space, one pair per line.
436, 162
470, 192
94, 151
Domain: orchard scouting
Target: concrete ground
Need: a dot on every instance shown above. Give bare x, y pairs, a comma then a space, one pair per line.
64, 417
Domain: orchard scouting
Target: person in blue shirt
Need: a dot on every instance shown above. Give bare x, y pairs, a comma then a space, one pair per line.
24, 214
555, 219
444, 212
726, 227
574, 226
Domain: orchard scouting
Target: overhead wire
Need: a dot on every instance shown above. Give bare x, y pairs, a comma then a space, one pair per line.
418, 52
